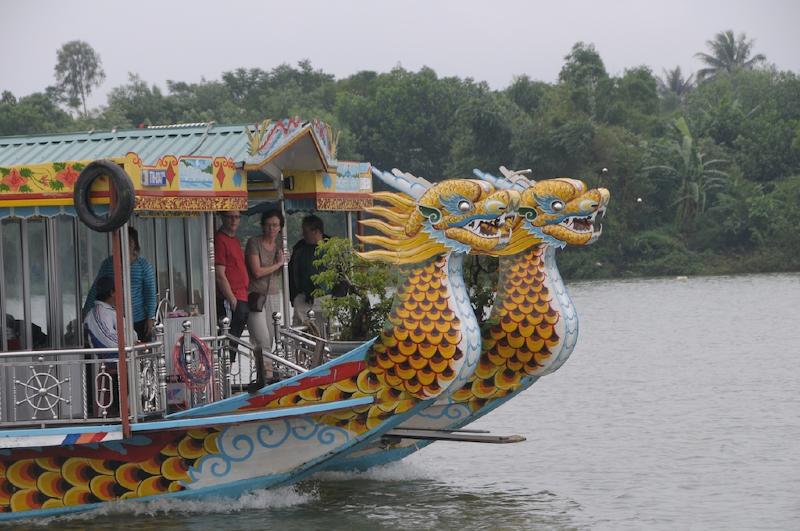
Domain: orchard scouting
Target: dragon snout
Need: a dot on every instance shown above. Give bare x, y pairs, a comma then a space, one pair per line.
506, 201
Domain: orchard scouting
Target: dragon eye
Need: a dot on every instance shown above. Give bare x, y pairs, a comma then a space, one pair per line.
464, 206
557, 205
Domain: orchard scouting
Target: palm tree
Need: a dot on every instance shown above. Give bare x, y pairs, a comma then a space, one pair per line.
728, 53
673, 83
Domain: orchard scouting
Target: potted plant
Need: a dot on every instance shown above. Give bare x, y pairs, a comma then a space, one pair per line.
360, 298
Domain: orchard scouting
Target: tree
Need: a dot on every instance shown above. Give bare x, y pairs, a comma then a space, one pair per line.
632, 101
696, 176
674, 84
585, 74
728, 53
360, 296
527, 94
138, 103
78, 70
35, 113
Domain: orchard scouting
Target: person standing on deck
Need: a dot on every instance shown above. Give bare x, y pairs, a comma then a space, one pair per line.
302, 268
143, 288
264, 258
231, 275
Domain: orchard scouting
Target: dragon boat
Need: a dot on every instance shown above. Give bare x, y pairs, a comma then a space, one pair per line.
533, 325
178, 417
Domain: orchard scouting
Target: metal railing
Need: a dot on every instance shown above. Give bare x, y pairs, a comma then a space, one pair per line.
308, 345
55, 387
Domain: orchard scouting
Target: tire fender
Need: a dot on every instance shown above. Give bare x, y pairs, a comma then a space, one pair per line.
119, 213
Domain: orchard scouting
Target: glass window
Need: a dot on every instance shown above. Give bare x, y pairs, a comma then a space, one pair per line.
161, 264
95, 247
196, 234
177, 248
15, 329
39, 284
147, 239
68, 280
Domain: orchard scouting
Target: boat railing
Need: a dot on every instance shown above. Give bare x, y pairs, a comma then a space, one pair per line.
73, 386
46, 388
294, 351
304, 345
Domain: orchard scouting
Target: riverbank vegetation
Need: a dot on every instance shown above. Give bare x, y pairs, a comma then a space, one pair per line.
704, 169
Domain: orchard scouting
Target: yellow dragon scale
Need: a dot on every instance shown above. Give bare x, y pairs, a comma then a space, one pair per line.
513, 350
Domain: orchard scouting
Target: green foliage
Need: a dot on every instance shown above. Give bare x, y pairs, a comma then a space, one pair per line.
694, 177
362, 311
37, 113
659, 252
702, 176
480, 274
586, 78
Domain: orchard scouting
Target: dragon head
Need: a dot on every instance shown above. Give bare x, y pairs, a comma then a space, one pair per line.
557, 212
458, 215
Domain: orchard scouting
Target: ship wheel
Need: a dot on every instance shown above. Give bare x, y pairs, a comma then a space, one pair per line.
42, 391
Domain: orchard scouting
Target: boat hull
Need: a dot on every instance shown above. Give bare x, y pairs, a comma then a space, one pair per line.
225, 448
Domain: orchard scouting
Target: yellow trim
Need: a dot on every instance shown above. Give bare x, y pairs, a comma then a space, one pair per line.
46, 202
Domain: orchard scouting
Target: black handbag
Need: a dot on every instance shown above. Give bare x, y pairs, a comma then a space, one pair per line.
256, 301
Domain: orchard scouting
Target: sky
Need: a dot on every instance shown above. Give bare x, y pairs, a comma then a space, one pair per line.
489, 40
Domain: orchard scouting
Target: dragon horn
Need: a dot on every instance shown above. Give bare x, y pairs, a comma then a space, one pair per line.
403, 182
518, 183
518, 177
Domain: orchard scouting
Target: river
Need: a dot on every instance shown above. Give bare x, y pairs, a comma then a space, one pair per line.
679, 409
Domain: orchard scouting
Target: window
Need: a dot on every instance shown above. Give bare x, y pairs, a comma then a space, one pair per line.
67, 281
15, 331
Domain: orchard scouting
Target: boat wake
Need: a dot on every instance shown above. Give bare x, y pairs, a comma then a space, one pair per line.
400, 471
278, 498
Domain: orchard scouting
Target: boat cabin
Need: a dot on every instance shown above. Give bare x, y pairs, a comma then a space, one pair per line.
182, 177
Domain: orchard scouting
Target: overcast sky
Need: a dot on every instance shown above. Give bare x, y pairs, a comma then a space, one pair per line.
490, 40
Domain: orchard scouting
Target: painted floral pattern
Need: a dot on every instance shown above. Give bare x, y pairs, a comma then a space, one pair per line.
58, 177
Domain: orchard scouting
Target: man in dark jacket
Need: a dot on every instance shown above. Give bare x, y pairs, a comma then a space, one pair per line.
302, 268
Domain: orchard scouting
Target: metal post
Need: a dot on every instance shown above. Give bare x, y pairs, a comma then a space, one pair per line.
276, 324
211, 280
226, 357
162, 367
217, 388
278, 349
188, 356
285, 238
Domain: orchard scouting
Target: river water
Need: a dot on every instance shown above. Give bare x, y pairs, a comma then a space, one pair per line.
679, 409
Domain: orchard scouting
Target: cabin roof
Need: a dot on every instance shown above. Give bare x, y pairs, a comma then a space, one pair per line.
151, 143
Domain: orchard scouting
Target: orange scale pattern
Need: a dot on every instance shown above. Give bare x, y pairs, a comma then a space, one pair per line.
53, 482
520, 336
415, 357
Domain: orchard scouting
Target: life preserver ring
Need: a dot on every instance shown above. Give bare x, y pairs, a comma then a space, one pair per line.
196, 378
120, 212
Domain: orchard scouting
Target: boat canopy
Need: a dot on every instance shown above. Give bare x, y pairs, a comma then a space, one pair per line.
188, 168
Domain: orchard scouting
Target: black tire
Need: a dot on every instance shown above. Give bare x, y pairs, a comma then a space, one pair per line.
119, 181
